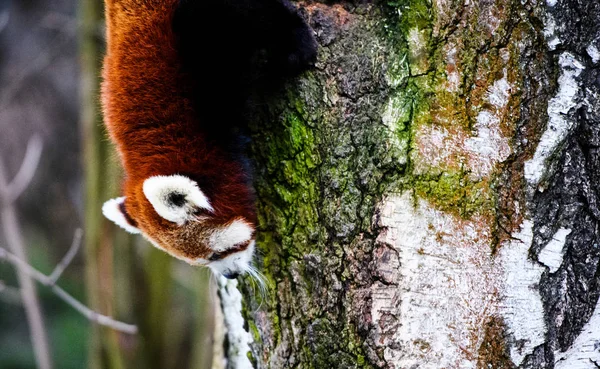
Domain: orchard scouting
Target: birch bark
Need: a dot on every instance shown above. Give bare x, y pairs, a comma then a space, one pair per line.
429, 192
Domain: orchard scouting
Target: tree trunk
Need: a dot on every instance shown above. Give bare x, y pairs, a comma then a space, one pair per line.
428, 193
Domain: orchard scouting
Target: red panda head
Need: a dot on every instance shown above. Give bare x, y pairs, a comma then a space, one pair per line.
176, 216
174, 96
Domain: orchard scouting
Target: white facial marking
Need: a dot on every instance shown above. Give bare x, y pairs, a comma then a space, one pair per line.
238, 262
236, 232
200, 261
112, 211
159, 190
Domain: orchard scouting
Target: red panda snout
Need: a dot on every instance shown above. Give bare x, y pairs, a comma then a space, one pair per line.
175, 215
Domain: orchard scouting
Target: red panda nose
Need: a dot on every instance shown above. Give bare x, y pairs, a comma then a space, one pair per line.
231, 275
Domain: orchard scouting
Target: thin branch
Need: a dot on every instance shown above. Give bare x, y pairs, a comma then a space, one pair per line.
14, 239
64, 263
4, 18
65, 296
26, 172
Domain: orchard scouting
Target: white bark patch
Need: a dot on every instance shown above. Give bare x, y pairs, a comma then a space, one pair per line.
446, 286
559, 125
478, 153
219, 358
449, 285
437, 148
489, 146
416, 41
521, 308
488, 18
452, 75
239, 340
417, 50
550, 33
394, 114
585, 350
593, 52
552, 254
499, 93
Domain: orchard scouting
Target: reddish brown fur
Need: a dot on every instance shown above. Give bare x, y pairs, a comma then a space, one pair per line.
156, 129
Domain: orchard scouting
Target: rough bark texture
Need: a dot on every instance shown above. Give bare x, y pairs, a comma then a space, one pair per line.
570, 294
428, 194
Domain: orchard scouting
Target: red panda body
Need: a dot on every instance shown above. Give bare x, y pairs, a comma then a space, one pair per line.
185, 189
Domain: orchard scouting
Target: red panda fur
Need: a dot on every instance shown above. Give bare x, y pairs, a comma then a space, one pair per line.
154, 124
173, 113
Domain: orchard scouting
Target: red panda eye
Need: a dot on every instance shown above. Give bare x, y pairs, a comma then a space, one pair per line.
214, 257
176, 198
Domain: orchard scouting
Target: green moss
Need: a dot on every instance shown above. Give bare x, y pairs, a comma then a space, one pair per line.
324, 348
480, 61
251, 358
342, 136
455, 193
254, 331
360, 360
292, 158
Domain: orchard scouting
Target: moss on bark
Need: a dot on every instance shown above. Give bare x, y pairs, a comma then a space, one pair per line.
359, 126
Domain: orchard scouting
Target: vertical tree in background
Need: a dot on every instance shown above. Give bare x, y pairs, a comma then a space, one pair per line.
133, 283
429, 192
99, 171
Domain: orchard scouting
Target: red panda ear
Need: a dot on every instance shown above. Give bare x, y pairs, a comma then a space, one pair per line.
114, 209
175, 198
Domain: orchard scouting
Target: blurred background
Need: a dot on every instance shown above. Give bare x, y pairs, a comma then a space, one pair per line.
50, 55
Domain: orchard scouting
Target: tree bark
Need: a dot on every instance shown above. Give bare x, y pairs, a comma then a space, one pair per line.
428, 193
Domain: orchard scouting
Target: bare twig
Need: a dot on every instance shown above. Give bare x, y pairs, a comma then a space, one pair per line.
9, 192
64, 263
65, 296
23, 178
4, 18
14, 239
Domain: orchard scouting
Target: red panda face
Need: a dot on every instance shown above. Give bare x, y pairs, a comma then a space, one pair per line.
175, 215
175, 98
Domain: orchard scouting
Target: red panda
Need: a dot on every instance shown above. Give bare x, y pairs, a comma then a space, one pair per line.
177, 77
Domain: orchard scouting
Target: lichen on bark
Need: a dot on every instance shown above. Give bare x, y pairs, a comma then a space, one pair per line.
324, 157
428, 109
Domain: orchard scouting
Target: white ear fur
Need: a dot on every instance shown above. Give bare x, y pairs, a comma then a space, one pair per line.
112, 211
160, 190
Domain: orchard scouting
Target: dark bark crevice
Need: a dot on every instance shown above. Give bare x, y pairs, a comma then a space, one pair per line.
570, 295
